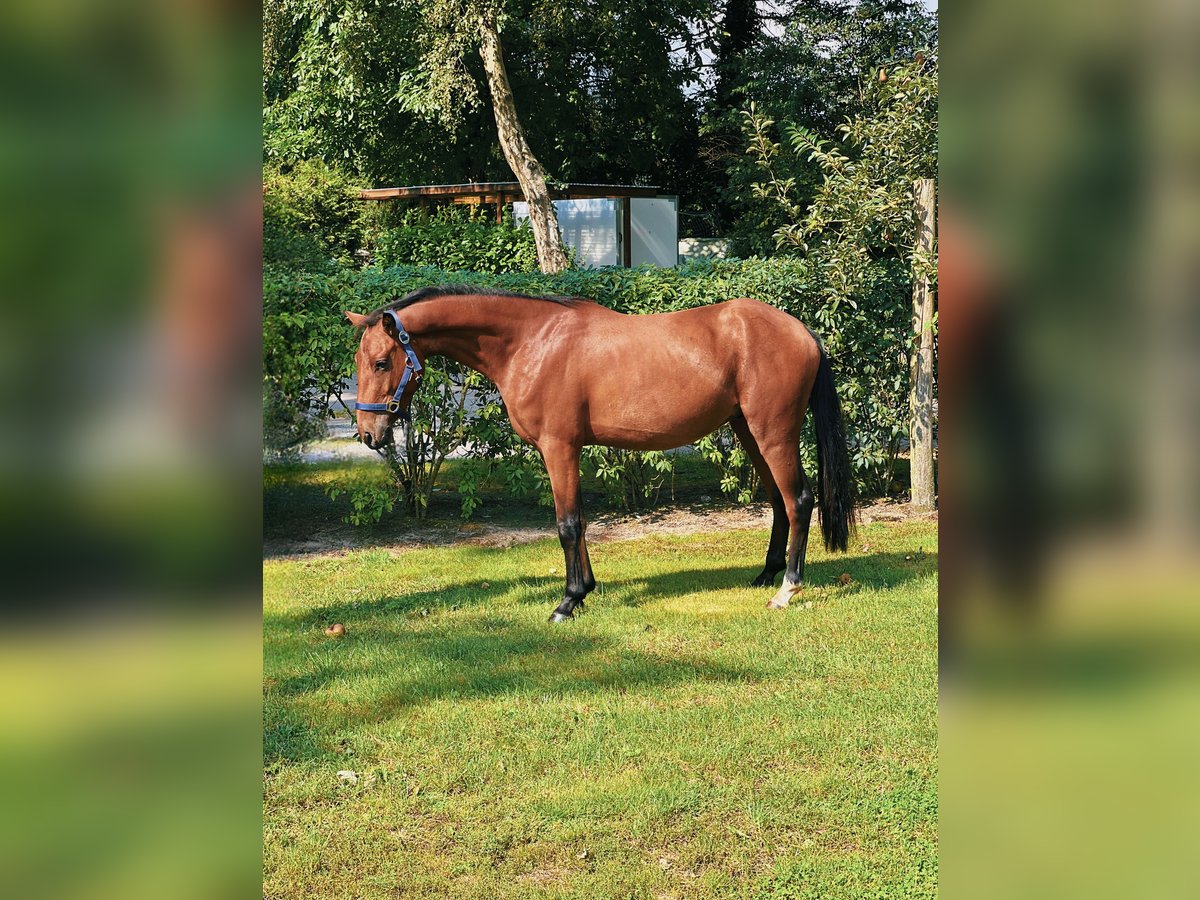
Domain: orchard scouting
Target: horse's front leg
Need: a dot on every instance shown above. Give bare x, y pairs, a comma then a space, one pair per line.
562, 465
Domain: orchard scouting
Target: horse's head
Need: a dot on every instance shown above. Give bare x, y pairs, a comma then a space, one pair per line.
389, 371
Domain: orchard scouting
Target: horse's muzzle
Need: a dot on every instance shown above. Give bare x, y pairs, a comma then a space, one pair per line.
376, 442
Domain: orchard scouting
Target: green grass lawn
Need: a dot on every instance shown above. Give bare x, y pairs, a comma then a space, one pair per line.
677, 740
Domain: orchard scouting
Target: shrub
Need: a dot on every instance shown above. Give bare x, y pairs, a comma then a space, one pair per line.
319, 204
458, 239
287, 245
440, 425
632, 478
308, 353
311, 345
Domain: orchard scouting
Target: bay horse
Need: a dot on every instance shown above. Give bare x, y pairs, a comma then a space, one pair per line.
573, 373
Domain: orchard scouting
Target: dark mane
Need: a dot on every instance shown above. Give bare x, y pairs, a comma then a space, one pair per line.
464, 290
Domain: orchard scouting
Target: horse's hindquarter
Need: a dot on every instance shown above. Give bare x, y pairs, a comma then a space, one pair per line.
660, 381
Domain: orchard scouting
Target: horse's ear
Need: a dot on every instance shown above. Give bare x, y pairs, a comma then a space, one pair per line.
358, 321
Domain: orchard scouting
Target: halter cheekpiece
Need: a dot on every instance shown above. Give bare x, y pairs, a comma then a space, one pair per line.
412, 367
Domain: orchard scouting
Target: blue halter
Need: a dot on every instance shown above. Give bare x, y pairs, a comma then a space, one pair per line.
412, 367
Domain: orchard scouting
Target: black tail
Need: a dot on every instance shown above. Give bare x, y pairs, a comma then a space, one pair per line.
835, 481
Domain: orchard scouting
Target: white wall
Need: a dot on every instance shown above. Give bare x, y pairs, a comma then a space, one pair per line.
593, 229
588, 226
655, 225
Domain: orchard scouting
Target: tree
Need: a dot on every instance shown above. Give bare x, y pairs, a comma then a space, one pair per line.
630, 91
516, 149
867, 207
920, 443
803, 61
451, 31
392, 91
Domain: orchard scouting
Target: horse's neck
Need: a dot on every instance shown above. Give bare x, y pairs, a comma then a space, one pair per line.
479, 332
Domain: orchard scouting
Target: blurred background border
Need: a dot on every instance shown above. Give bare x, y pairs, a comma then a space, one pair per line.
130, 161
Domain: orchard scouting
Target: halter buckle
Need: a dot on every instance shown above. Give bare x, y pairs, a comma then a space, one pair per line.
393, 406
402, 337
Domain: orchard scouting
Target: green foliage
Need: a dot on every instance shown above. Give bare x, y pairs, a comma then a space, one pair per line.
864, 336
289, 420
315, 204
865, 206
368, 501
440, 425
633, 479
458, 239
859, 231
808, 69
739, 478
442, 86
392, 91
287, 245
612, 94
497, 453
308, 353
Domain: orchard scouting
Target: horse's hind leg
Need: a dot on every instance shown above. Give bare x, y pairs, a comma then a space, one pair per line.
783, 458
589, 580
777, 547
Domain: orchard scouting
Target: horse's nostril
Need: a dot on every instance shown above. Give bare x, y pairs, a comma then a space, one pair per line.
367, 438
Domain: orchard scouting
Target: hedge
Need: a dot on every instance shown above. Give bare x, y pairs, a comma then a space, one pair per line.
309, 351
453, 237
313, 217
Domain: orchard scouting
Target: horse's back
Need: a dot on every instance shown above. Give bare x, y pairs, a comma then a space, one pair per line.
727, 336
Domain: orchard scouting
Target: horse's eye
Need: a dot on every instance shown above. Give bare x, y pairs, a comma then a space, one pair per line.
382, 365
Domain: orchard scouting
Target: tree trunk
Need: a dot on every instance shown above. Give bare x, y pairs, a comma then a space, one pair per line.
520, 158
921, 400
739, 27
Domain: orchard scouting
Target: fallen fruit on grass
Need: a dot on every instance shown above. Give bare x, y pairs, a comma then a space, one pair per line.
845, 578
337, 629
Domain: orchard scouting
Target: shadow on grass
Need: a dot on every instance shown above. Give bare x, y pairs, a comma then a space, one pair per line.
464, 661
296, 506
875, 570
296, 509
405, 650
287, 738
306, 682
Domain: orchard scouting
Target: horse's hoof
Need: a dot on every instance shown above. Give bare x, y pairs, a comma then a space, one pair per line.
763, 580
784, 595
556, 616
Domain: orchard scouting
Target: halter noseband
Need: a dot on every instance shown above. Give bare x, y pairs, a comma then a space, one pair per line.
412, 367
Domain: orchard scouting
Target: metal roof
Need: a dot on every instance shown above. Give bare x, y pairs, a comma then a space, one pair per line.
504, 191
